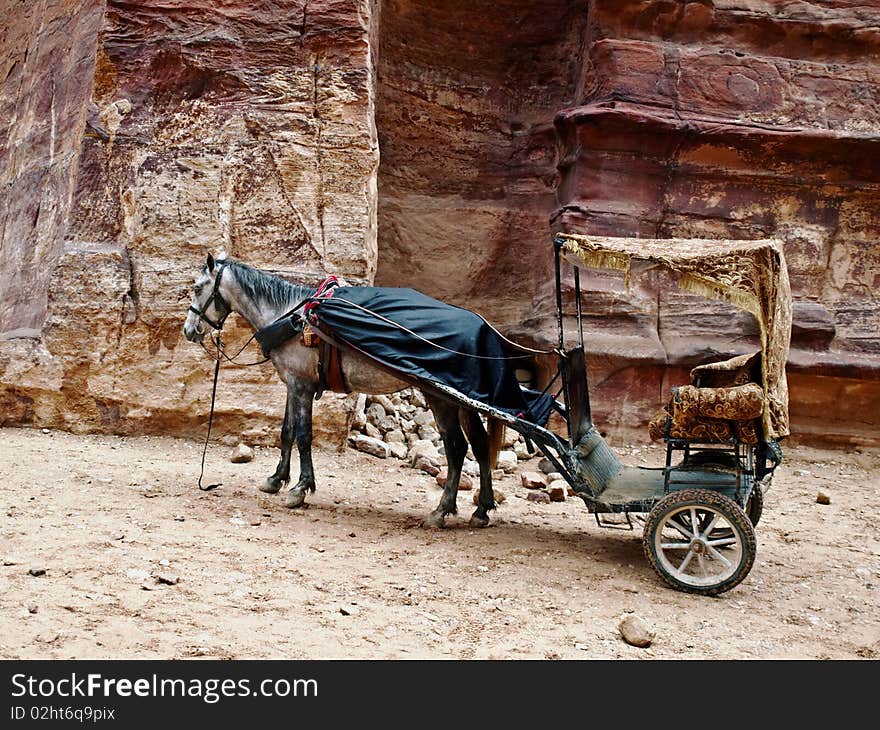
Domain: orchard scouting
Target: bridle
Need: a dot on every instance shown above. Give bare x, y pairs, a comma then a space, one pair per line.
215, 295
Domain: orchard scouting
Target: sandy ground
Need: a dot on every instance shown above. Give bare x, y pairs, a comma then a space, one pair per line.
356, 576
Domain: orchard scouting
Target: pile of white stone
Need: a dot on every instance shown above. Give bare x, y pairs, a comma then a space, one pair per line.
402, 426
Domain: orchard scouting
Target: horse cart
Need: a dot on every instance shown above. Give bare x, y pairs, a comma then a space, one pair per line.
721, 431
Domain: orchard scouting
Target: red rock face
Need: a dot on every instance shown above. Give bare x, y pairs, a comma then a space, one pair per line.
138, 135
718, 119
47, 57
465, 102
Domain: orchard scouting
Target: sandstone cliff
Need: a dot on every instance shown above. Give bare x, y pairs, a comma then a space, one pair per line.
138, 135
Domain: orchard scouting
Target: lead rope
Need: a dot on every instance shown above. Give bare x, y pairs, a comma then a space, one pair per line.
211, 418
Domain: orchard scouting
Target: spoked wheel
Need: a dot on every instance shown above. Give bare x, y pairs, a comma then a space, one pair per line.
699, 541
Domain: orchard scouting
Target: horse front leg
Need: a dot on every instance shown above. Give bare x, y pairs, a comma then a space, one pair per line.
299, 401
282, 471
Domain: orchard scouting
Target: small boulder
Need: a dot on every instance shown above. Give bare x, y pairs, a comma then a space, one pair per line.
522, 451
425, 448
538, 496
375, 413
464, 484
372, 431
359, 417
471, 468
507, 462
389, 423
423, 463
532, 480
397, 450
635, 631
370, 445
395, 436
500, 496
823, 498
384, 401
241, 454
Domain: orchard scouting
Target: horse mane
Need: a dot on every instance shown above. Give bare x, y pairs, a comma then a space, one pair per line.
267, 289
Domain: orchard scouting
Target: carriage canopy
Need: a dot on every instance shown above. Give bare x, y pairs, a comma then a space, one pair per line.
751, 275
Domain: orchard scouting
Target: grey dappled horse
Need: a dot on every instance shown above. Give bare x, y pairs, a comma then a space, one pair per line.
224, 286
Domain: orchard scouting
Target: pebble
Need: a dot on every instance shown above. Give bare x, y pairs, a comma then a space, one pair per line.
500, 496
823, 498
348, 610
635, 631
538, 496
464, 484
36, 572
242, 454
9, 560
369, 445
33, 608
163, 576
556, 492
256, 522
497, 475
532, 480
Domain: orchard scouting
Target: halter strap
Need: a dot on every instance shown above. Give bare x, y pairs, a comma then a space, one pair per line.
215, 294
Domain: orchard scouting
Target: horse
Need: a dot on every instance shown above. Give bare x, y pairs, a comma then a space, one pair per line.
225, 285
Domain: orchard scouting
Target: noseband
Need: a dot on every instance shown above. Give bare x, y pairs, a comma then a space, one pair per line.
215, 295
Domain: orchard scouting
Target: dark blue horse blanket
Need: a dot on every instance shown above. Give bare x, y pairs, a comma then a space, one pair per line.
417, 335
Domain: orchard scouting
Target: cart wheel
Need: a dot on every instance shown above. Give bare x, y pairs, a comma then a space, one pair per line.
694, 559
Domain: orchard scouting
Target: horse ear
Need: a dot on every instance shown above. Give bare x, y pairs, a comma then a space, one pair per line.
210, 263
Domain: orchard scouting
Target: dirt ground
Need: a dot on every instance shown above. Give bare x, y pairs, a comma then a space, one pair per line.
356, 576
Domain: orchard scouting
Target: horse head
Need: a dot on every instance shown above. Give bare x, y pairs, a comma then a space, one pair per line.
208, 305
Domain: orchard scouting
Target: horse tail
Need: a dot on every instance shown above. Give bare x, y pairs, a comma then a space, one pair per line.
496, 430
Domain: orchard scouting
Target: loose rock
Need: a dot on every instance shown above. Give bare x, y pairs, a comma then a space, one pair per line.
500, 496
398, 450
546, 466
532, 480
464, 483
538, 496
36, 572
370, 445
375, 413
497, 475
170, 579
522, 451
372, 431
556, 491
471, 468
423, 448
395, 436
823, 498
423, 463
507, 462
242, 454
635, 631
33, 608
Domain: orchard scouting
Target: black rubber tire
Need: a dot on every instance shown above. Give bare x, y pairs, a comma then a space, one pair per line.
755, 504
732, 512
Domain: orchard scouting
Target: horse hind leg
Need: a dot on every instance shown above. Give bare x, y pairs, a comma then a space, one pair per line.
479, 439
446, 416
282, 472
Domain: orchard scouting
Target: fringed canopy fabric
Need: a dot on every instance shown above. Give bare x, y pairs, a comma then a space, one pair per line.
751, 275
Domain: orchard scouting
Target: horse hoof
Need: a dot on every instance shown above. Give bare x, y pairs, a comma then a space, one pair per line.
434, 521
271, 485
477, 521
295, 498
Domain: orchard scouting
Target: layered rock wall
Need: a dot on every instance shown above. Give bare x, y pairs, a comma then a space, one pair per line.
740, 120
138, 135
238, 126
